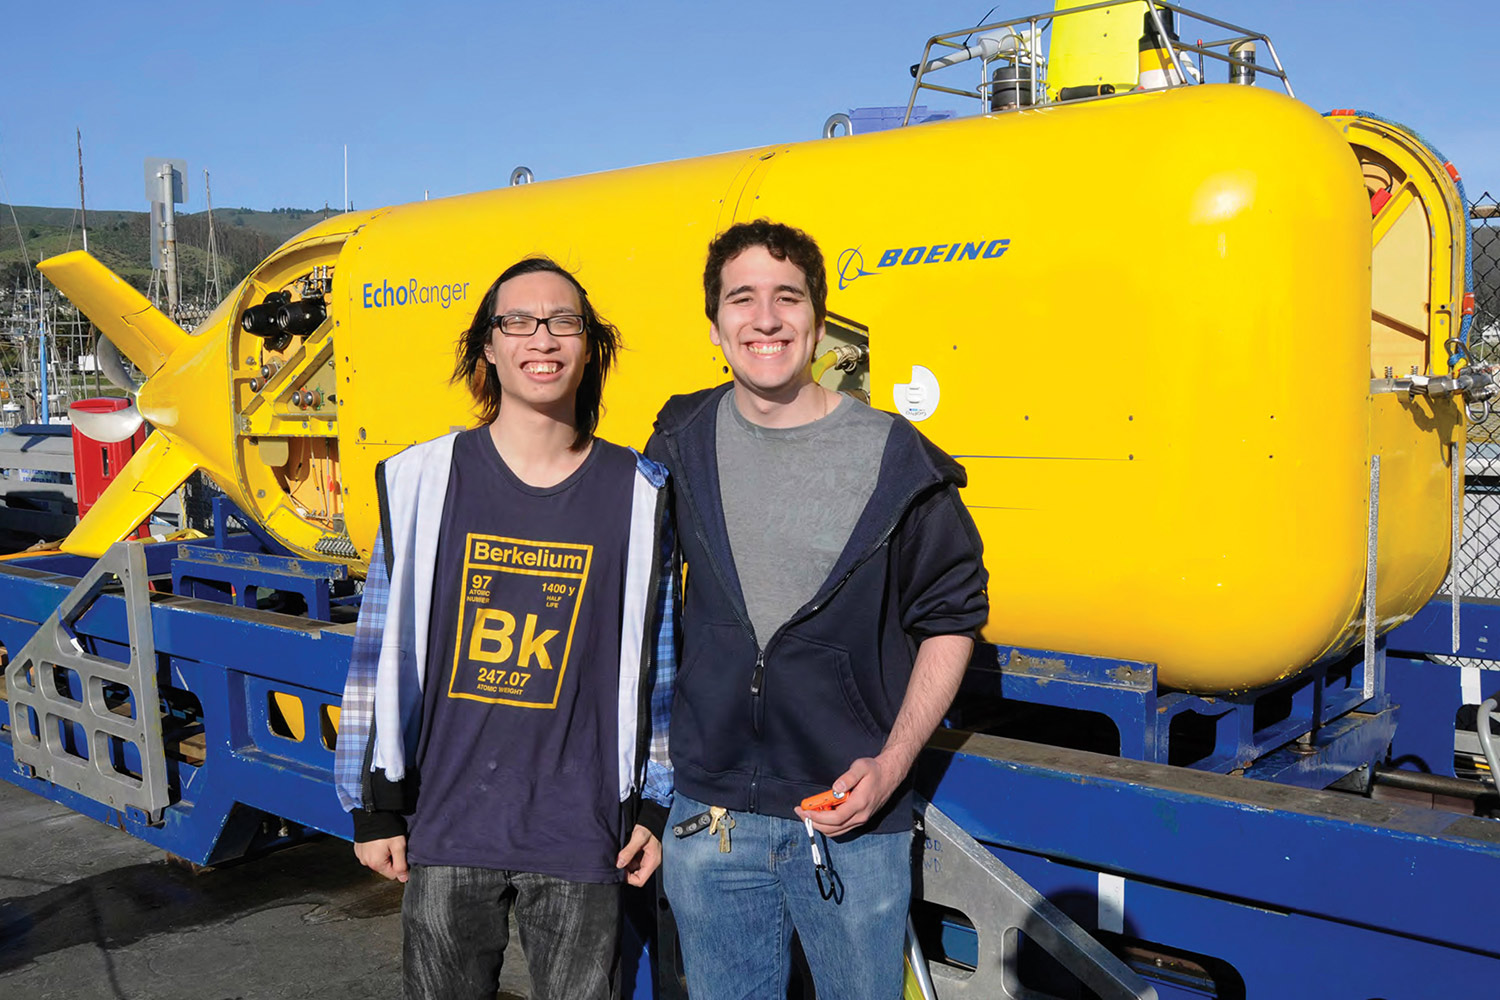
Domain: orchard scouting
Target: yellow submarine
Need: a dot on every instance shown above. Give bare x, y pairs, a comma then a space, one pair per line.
1172, 334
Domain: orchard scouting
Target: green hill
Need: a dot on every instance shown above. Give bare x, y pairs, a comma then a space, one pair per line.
121, 241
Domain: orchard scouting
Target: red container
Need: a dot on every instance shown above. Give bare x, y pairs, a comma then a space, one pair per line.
95, 464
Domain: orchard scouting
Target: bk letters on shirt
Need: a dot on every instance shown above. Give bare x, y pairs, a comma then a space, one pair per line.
515, 628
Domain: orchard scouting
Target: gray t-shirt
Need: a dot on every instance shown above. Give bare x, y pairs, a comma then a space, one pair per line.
791, 497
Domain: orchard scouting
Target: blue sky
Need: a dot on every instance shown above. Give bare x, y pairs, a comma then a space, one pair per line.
448, 97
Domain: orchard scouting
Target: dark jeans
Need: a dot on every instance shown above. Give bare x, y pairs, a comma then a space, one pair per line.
455, 925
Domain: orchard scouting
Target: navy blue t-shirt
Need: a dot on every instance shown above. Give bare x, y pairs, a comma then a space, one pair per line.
517, 758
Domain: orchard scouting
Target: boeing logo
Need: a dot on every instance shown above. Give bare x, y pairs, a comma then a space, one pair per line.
851, 265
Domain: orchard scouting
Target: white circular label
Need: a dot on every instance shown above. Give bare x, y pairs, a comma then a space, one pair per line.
918, 399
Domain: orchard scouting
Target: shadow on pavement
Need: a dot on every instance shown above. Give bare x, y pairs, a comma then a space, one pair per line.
116, 908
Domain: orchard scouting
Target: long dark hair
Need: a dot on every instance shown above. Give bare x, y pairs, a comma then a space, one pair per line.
475, 371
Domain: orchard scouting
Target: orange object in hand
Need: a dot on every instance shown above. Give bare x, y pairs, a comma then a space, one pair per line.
823, 800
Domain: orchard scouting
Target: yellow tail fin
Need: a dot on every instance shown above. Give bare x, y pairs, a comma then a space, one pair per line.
1094, 47
138, 489
144, 333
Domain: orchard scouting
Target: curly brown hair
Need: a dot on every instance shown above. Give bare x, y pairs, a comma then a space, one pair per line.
780, 241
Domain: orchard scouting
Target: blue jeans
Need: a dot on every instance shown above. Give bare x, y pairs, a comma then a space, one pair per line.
455, 925
736, 912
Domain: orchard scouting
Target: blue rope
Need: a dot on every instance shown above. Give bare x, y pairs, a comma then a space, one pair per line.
1463, 199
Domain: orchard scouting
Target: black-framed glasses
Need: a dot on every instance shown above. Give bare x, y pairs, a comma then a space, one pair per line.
522, 325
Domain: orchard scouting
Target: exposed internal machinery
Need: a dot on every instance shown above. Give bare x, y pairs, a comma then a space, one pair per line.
284, 394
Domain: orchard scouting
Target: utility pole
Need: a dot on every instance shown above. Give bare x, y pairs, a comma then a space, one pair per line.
166, 187
169, 242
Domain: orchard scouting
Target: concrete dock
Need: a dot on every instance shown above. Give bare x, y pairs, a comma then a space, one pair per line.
89, 912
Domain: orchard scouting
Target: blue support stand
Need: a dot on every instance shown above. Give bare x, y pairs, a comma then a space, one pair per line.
216, 573
1241, 733
249, 699
1435, 681
1210, 885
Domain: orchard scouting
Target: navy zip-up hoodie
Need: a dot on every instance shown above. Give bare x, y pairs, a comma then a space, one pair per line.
757, 730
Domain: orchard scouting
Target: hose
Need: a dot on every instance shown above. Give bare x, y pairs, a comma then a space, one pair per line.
821, 365
845, 357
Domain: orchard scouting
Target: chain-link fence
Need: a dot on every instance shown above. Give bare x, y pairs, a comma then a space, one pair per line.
1477, 566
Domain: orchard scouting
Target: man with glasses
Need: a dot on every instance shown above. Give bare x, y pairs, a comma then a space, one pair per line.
503, 738
836, 586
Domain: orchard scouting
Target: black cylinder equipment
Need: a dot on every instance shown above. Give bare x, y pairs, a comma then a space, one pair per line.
1091, 90
1010, 87
261, 320
301, 317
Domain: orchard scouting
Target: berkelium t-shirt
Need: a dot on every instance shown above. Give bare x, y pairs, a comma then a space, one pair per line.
517, 761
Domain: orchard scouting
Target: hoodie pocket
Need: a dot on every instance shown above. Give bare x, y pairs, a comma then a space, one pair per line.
711, 714
816, 721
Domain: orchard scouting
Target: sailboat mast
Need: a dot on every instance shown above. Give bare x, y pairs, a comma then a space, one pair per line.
212, 293
82, 207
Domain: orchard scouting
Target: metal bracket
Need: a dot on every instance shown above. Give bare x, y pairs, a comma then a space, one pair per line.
954, 870
1473, 385
46, 739
1455, 541
1372, 548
